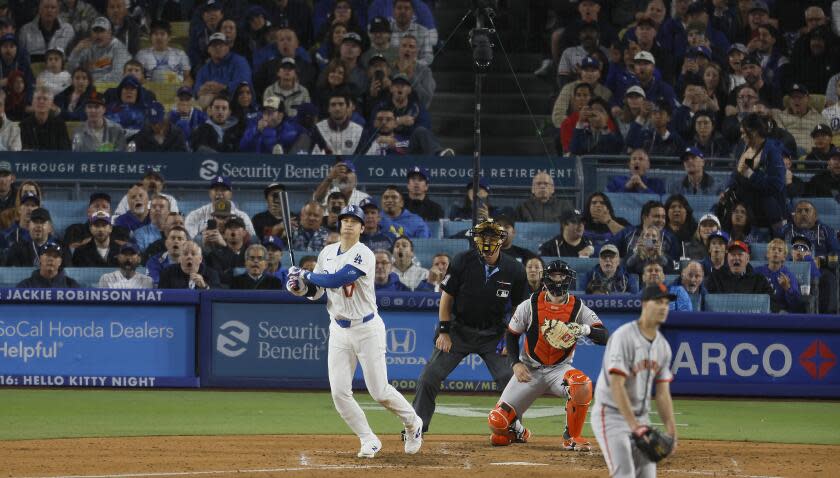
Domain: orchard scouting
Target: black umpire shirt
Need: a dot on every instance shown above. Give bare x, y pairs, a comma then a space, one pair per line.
482, 295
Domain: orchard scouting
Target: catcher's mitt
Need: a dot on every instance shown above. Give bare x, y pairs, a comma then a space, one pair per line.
559, 334
653, 443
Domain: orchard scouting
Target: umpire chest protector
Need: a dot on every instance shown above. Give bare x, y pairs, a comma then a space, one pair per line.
482, 297
542, 310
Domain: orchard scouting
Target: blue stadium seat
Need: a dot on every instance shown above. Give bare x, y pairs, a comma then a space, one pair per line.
87, 276
758, 251
743, 303
425, 249
10, 276
632, 201
701, 204
824, 205
452, 227
670, 278
252, 207
65, 213
435, 229
538, 232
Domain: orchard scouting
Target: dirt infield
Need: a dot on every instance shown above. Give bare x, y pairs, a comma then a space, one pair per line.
335, 456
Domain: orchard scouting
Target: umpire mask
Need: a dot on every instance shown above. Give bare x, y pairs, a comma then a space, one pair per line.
488, 237
564, 277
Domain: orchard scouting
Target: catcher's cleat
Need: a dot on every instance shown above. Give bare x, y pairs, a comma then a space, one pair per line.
521, 437
571, 443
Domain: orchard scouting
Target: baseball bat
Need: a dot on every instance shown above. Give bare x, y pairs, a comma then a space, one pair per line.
287, 224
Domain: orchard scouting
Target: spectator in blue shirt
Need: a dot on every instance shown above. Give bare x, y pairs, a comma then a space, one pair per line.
654, 86
691, 278
403, 221
592, 134
185, 115
274, 245
384, 279
786, 296
272, 131
138, 209
654, 275
150, 233
224, 70
127, 109
637, 181
376, 233
653, 214
175, 241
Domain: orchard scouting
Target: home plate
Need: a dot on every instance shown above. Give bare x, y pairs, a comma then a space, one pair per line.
519, 463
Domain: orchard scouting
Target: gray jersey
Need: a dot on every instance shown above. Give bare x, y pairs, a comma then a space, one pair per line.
641, 361
521, 320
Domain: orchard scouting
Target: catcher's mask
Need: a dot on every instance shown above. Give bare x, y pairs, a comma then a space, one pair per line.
558, 287
488, 236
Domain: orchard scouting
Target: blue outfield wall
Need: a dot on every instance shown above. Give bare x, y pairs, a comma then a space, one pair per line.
113, 338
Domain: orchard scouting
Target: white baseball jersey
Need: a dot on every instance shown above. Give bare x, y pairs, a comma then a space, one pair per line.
521, 320
641, 361
356, 300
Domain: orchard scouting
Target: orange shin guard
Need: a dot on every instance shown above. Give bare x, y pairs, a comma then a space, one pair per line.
500, 419
580, 396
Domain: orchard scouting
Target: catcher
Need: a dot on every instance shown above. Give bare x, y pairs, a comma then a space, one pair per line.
637, 357
552, 321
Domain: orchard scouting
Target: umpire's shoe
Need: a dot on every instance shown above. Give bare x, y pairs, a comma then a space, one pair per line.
414, 437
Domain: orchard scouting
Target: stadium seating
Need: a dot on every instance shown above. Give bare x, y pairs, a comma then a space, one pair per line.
85, 276
742, 303
629, 205
425, 249
701, 204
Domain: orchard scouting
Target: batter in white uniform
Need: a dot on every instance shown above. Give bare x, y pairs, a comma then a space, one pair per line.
636, 359
345, 270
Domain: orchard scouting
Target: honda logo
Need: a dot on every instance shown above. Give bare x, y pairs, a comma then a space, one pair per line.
401, 341
232, 339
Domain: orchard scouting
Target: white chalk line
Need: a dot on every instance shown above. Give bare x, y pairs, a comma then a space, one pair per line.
466, 465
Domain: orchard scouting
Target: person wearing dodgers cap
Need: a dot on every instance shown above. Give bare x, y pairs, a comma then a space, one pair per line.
52, 258
126, 277
158, 135
696, 179
418, 201
821, 136
196, 221
376, 234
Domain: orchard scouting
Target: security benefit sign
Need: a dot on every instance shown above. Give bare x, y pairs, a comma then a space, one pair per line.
97, 346
766, 362
267, 345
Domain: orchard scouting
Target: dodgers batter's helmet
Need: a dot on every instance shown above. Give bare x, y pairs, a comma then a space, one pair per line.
352, 211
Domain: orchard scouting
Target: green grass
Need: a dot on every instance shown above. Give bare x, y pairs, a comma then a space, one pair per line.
32, 414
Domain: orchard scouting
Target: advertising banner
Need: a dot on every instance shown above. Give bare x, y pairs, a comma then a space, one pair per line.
262, 169
766, 355
97, 338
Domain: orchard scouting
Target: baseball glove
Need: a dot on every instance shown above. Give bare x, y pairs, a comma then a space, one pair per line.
558, 334
653, 443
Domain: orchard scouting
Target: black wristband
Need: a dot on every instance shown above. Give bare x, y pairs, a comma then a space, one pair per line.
443, 327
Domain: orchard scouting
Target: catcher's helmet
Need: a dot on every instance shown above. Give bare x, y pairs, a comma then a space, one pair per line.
488, 236
562, 285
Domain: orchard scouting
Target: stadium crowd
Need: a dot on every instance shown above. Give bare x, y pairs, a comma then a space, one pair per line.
640, 78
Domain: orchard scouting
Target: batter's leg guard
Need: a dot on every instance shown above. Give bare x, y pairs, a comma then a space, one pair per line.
580, 396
